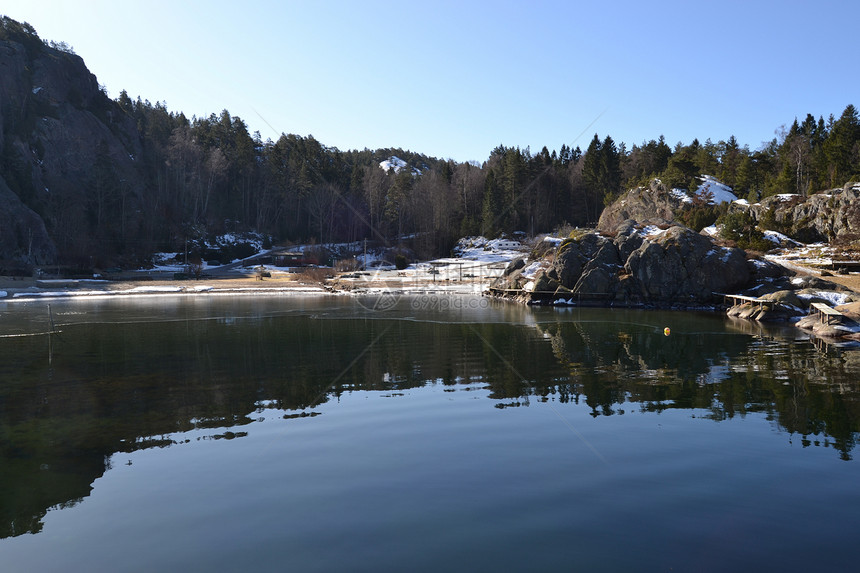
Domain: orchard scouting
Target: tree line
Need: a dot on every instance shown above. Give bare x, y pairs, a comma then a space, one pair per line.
210, 175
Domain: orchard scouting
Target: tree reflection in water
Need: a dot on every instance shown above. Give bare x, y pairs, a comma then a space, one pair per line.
112, 387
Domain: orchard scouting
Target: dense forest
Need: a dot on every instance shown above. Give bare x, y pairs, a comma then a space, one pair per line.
204, 173
194, 178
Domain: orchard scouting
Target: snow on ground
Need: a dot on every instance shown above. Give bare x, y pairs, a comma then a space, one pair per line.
682, 195
56, 294
652, 231
488, 251
373, 262
781, 240
175, 262
711, 231
397, 164
815, 254
807, 259
834, 298
180, 291
533, 269
168, 288
69, 281
722, 192
475, 263
393, 162
556, 241
254, 239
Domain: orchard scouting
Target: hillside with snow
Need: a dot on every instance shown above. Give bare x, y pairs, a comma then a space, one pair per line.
721, 192
397, 164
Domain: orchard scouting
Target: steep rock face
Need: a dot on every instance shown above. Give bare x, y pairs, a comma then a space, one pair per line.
67, 151
673, 266
681, 264
651, 205
820, 217
23, 237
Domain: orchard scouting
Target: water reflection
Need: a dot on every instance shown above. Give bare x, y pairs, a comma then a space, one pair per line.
122, 376
620, 362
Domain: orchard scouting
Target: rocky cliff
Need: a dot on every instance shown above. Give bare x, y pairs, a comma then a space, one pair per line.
67, 154
23, 237
822, 217
825, 216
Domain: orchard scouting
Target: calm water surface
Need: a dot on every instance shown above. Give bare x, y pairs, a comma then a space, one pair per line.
288, 433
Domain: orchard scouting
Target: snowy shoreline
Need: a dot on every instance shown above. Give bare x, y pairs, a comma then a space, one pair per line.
174, 288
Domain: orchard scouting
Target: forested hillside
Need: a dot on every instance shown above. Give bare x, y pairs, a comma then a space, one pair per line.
98, 182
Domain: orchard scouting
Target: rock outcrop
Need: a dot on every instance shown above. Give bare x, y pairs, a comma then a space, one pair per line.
680, 264
653, 205
62, 138
635, 264
638, 255
821, 217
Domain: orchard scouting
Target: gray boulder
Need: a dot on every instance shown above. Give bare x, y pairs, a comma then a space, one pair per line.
627, 238
597, 282
573, 255
682, 265
654, 204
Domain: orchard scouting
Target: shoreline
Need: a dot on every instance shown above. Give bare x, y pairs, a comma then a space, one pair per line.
17, 288
29, 289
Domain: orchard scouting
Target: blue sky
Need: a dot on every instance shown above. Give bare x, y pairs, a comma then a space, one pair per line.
456, 79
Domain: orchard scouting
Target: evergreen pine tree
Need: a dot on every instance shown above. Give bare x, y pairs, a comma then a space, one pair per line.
492, 206
841, 147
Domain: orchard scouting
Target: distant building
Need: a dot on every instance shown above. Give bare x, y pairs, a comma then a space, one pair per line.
505, 244
293, 259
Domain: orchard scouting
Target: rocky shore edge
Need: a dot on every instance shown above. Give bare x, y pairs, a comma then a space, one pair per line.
669, 266
638, 266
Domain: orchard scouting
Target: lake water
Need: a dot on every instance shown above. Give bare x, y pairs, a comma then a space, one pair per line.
301, 433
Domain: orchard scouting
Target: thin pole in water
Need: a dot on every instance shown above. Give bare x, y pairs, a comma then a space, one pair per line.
50, 342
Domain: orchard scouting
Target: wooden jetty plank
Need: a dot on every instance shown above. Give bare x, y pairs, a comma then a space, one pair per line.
761, 302
826, 313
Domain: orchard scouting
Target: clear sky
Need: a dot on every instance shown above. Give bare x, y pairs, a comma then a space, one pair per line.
457, 78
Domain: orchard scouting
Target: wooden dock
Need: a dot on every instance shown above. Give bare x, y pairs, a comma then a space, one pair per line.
846, 265
826, 313
758, 301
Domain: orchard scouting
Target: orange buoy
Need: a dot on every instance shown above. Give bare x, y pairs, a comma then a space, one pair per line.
666, 331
